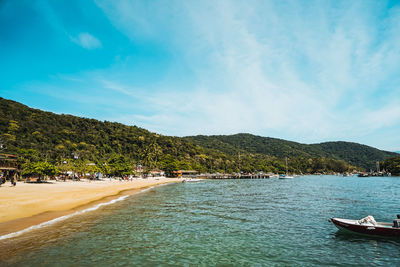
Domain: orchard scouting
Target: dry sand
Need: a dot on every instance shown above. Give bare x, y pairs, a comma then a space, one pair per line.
29, 204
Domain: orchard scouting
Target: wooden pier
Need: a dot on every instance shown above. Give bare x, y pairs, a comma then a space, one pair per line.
234, 176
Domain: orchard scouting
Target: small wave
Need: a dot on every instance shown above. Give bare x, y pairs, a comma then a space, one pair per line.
38, 226
153, 186
146, 189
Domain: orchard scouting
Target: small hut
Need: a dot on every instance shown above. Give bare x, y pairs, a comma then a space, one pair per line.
157, 173
186, 173
9, 166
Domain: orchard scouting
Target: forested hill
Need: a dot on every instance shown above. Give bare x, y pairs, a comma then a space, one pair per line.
71, 142
353, 153
38, 135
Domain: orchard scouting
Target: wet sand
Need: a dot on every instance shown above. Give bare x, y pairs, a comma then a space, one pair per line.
30, 204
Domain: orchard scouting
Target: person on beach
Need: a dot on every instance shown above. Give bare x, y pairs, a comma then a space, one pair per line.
14, 180
2, 179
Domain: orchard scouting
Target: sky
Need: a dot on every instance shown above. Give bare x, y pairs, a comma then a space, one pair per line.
306, 71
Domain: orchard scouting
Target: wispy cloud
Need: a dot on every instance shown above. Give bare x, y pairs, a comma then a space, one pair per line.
83, 39
127, 91
86, 40
306, 71
301, 70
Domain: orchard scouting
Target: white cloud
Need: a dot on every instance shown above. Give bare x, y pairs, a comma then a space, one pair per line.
118, 88
87, 41
304, 72
383, 117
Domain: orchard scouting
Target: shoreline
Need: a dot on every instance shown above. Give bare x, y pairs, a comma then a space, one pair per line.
36, 205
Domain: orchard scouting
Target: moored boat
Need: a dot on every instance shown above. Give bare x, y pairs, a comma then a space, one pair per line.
193, 180
376, 228
286, 176
283, 176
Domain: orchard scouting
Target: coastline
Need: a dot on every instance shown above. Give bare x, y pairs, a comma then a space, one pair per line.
28, 205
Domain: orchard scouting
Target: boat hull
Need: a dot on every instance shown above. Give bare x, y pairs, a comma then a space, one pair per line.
376, 230
285, 176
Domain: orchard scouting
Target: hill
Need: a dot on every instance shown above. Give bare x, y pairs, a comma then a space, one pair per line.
71, 142
352, 153
38, 135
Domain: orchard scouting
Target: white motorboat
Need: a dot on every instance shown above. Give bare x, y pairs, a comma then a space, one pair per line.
192, 180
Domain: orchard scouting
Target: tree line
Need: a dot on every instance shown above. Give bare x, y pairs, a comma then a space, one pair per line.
44, 139
392, 165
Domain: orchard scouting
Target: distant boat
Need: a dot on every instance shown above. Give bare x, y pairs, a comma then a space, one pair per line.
192, 180
286, 176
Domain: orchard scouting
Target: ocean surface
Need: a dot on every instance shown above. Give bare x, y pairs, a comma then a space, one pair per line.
268, 222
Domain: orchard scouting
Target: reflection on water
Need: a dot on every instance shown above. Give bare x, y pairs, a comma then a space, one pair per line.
247, 222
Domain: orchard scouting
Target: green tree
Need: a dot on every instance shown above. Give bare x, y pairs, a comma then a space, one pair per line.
40, 168
119, 166
169, 165
392, 165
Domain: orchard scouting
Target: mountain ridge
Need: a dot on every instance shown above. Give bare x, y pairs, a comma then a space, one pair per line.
35, 134
342, 150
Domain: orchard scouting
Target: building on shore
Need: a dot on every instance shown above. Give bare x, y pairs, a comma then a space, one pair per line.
9, 166
156, 173
139, 170
186, 173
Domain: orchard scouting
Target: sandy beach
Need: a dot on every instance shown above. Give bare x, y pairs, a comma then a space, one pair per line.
28, 204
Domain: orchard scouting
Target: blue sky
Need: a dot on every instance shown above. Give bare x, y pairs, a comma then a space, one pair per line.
307, 71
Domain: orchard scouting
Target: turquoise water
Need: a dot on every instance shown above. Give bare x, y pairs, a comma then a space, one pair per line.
267, 222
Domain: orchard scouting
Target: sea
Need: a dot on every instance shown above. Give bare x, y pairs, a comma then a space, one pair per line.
260, 222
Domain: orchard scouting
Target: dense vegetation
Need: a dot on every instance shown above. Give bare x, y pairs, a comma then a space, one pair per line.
88, 146
36, 135
392, 165
352, 153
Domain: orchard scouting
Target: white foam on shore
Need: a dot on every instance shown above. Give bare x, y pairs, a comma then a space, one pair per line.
38, 226
44, 224
146, 189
